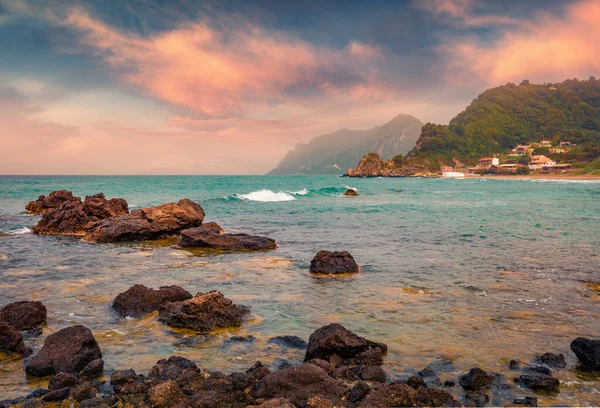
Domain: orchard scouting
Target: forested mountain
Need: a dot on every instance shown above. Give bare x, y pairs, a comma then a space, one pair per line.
336, 152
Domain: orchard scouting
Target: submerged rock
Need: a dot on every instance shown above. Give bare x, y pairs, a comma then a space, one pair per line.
54, 200
147, 223
537, 381
476, 379
139, 299
552, 360
11, 340
68, 350
334, 339
526, 402
336, 262
204, 312
588, 352
211, 238
288, 341
350, 192
24, 315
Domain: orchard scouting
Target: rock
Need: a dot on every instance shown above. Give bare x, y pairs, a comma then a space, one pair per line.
275, 403
120, 379
11, 340
475, 379
325, 365
538, 381
57, 395
326, 262
97, 207
318, 402
392, 395
37, 393
97, 402
147, 223
350, 192
204, 312
514, 364
62, 380
24, 315
93, 369
299, 384
435, 398
588, 352
212, 225
68, 350
210, 238
526, 402
427, 372
477, 398
288, 341
69, 218
552, 360
54, 200
359, 391
139, 299
370, 357
83, 392
416, 382
334, 339
166, 394
449, 383
540, 369
167, 369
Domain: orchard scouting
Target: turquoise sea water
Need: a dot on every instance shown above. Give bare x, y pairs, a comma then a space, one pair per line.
478, 271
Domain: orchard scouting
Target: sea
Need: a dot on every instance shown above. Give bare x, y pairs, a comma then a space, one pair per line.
472, 271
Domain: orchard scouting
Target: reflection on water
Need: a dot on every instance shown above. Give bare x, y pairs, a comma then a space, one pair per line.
449, 270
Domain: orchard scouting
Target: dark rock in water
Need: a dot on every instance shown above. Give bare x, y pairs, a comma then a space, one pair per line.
288, 341
392, 395
334, 339
350, 192
147, 223
97, 207
69, 218
239, 340
37, 393
166, 394
11, 340
475, 379
62, 380
57, 395
370, 357
551, 360
514, 364
416, 382
588, 352
366, 373
540, 369
427, 372
435, 398
538, 381
95, 403
298, 384
93, 369
336, 262
68, 350
212, 225
449, 383
120, 378
54, 200
139, 299
83, 392
526, 402
440, 366
170, 368
204, 312
359, 391
24, 315
210, 238
477, 398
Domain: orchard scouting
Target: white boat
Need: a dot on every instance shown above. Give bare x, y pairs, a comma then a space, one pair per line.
452, 174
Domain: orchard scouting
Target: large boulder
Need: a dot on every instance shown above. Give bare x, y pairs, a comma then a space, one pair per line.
211, 238
54, 200
350, 192
476, 379
336, 262
97, 207
11, 340
588, 352
147, 223
24, 315
204, 312
69, 350
334, 339
298, 384
139, 299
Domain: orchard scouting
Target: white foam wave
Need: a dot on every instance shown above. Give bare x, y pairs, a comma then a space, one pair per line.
300, 192
20, 231
265, 195
576, 181
351, 188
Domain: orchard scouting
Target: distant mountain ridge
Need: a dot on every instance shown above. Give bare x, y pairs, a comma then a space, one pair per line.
336, 152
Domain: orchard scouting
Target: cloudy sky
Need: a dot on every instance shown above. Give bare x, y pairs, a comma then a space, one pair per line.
228, 87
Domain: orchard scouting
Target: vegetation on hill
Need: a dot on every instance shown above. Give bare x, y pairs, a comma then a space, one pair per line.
501, 118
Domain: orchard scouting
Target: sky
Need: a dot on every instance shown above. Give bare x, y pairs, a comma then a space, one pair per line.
228, 87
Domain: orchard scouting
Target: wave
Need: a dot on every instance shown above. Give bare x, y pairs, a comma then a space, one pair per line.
19, 231
267, 196
300, 192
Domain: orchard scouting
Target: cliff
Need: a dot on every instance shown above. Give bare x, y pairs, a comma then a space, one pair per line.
372, 166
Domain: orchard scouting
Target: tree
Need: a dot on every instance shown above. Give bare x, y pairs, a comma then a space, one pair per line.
542, 150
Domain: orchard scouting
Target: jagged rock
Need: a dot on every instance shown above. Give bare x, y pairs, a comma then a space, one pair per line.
213, 225
166, 394
139, 299
588, 352
514, 364
62, 380
204, 312
298, 384
477, 398
93, 369
147, 223
11, 340
350, 192
435, 398
57, 395
275, 403
391, 395
24, 315
210, 238
475, 379
552, 360
168, 369
538, 381
334, 339
120, 380
326, 262
358, 391
288, 341
97, 207
83, 392
54, 200
68, 350
416, 382
97, 402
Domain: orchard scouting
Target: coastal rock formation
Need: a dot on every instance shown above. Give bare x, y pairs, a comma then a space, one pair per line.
139, 299
65, 214
212, 225
350, 192
204, 312
335, 262
335, 340
371, 165
538, 381
68, 350
11, 340
211, 238
24, 315
588, 352
147, 223
54, 200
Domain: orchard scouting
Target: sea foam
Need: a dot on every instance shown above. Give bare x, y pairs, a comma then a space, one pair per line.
20, 231
265, 195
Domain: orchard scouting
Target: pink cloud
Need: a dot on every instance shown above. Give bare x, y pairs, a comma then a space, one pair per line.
462, 12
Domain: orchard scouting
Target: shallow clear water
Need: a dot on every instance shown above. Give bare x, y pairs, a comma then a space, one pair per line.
478, 271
